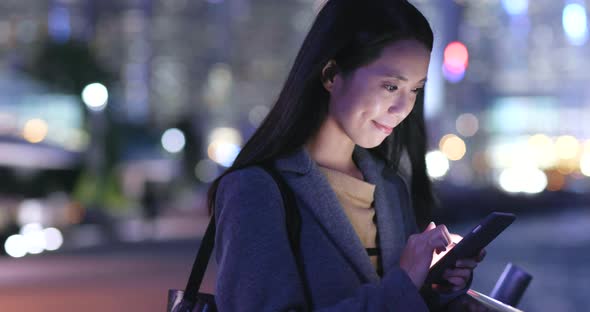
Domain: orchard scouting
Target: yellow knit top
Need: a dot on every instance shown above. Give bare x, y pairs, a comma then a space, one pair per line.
356, 197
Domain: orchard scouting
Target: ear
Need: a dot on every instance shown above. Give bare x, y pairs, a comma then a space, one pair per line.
328, 74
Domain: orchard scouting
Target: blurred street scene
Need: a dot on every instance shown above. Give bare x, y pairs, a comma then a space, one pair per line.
115, 115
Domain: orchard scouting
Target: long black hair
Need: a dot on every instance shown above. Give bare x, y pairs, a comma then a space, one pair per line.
353, 33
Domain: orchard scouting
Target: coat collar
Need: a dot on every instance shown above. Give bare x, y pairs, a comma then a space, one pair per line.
311, 186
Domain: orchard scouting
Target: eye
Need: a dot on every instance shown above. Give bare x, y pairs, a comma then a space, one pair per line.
390, 88
418, 90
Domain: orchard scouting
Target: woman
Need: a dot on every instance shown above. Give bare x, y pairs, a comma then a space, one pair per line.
351, 104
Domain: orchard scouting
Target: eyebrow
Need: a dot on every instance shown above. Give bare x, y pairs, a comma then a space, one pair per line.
402, 78
392, 73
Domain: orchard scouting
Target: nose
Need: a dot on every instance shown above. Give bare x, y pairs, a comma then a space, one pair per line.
402, 104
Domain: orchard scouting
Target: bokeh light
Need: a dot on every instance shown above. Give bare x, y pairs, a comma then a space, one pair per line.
225, 145
34, 238
467, 125
567, 147
453, 147
542, 150
15, 246
515, 7
585, 164
523, 179
95, 96
173, 140
555, 181
455, 62
437, 164
53, 238
223, 153
206, 171
574, 20
35, 130
257, 115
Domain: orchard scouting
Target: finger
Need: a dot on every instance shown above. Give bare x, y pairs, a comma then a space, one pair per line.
445, 233
430, 226
457, 282
462, 273
466, 263
437, 243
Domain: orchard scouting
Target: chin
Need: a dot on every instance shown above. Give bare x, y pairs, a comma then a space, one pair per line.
369, 143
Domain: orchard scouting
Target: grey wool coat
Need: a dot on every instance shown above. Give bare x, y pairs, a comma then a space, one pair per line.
256, 267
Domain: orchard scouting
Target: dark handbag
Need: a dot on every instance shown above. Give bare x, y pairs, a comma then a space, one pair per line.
191, 300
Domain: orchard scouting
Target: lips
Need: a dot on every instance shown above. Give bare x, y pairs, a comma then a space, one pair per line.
385, 129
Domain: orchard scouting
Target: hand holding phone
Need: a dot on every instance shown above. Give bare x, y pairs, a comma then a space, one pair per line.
469, 247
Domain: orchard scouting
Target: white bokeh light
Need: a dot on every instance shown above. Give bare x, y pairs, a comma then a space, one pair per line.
33, 238
53, 238
515, 7
224, 145
15, 246
95, 96
575, 23
437, 164
522, 179
585, 164
224, 153
173, 140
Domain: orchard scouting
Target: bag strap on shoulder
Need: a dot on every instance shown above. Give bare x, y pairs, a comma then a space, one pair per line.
293, 223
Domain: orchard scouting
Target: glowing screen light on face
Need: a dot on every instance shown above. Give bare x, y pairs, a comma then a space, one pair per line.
575, 23
456, 60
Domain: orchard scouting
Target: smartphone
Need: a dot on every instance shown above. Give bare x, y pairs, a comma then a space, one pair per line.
471, 244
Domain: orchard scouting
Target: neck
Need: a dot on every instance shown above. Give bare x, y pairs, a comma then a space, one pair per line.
330, 147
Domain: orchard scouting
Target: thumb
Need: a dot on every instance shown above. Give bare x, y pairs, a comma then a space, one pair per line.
430, 226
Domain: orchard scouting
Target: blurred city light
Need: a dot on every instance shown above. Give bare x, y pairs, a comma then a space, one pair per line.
455, 62
467, 125
452, 146
585, 164
53, 238
224, 145
437, 164
95, 96
567, 166
58, 24
219, 85
555, 180
515, 7
453, 77
575, 25
30, 211
567, 147
541, 150
257, 115
223, 153
33, 237
15, 246
173, 140
77, 140
35, 130
206, 171
523, 179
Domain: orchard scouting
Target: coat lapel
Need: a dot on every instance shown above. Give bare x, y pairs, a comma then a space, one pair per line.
387, 203
313, 189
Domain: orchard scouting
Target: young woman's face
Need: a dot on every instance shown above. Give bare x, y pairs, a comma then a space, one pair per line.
371, 101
